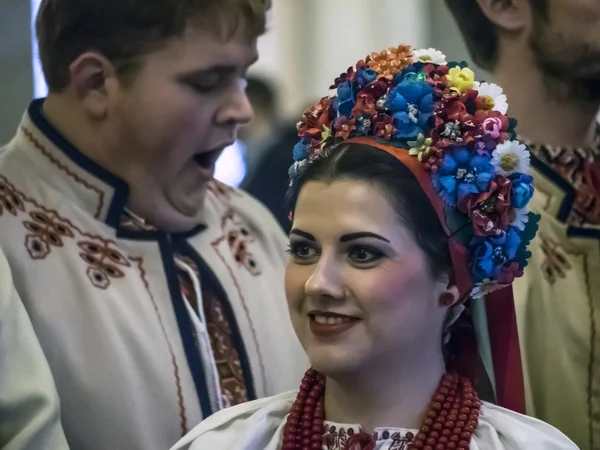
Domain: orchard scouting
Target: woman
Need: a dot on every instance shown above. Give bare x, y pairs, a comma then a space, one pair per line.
29, 406
408, 198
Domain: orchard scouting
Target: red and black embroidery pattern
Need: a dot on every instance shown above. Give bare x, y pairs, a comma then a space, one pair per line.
222, 190
238, 237
45, 232
226, 356
556, 262
104, 263
341, 438
9, 200
572, 164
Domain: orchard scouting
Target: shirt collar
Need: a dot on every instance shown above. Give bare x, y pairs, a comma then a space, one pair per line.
99, 192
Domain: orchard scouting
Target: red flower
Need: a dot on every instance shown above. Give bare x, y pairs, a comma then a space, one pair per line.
453, 124
489, 211
349, 75
365, 105
315, 118
436, 76
456, 110
384, 127
344, 126
508, 274
433, 161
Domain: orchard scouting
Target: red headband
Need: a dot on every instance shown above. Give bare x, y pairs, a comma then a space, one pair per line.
500, 308
459, 254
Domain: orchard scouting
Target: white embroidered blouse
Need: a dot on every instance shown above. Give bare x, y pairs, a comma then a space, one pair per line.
259, 425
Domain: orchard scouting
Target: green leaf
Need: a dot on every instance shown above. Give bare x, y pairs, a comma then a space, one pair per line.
527, 235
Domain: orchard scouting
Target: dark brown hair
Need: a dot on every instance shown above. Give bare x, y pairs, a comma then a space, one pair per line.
479, 33
350, 161
125, 30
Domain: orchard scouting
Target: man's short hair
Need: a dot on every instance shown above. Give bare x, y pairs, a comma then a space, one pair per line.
125, 30
479, 33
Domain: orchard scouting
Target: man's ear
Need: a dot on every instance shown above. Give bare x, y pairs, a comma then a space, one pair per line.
509, 15
91, 73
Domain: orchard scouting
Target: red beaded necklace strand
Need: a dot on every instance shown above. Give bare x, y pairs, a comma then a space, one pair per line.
449, 425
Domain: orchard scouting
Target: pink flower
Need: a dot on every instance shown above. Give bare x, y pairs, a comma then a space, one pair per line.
492, 126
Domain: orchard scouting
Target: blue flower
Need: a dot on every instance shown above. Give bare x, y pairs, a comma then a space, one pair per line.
365, 76
345, 99
462, 173
300, 151
522, 190
413, 68
490, 253
411, 103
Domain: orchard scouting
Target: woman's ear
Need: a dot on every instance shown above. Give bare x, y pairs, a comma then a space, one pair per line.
450, 296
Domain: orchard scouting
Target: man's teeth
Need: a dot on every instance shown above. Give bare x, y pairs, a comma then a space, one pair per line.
331, 320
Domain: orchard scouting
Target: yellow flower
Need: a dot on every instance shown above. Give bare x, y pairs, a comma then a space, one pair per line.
461, 79
421, 147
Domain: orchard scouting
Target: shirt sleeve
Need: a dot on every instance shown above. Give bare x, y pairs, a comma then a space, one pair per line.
29, 405
502, 429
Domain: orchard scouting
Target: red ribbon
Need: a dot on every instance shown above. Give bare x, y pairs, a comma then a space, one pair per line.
506, 353
500, 306
591, 172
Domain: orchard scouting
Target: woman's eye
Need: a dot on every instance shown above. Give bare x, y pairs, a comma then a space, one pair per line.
301, 250
364, 255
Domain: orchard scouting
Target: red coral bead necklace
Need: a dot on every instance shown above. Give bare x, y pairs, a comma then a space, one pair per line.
449, 424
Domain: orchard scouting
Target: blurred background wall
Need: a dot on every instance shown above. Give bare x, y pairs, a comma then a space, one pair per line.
16, 71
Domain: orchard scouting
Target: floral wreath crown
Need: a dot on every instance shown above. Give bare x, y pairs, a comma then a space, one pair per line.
458, 130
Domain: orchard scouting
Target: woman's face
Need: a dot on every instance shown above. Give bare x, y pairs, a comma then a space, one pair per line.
358, 286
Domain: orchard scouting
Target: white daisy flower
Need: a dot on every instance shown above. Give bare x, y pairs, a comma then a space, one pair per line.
429, 56
519, 218
511, 157
487, 286
494, 94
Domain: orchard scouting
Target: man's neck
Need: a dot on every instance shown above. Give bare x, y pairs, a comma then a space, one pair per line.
545, 114
64, 116
396, 396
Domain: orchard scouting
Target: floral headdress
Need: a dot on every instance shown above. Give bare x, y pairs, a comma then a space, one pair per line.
412, 103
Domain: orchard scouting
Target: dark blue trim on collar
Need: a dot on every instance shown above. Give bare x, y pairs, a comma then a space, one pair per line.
583, 232
153, 235
570, 193
186, 329
208, 278
121, 189
567, 204
191, 233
